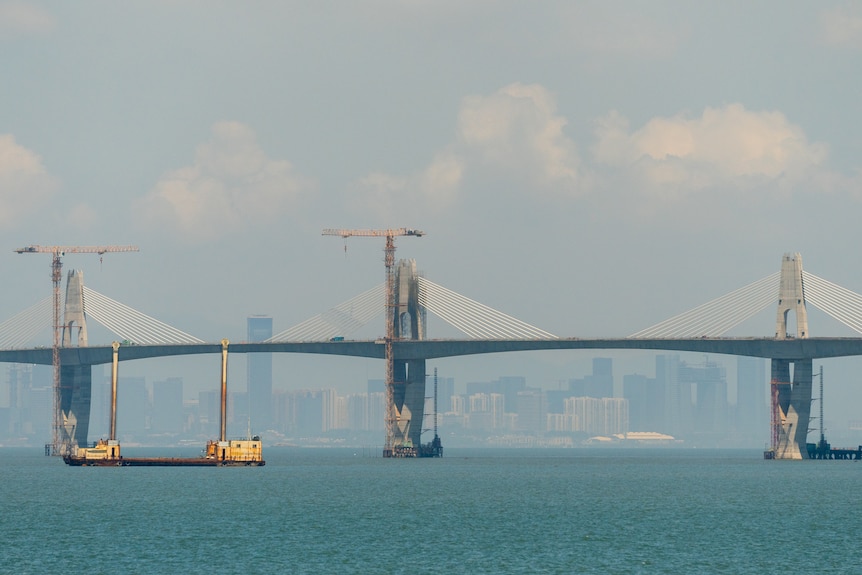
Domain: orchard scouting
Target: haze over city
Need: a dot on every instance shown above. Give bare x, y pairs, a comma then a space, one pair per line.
590, 168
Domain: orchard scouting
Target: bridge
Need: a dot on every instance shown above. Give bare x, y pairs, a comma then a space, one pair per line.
488, 331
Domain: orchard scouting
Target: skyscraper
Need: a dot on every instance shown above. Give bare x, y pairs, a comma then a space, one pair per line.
599, 384
133, 407
168, 406
752, 387
259, 367
678, 410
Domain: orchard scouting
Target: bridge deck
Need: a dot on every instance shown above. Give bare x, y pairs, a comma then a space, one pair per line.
791, 349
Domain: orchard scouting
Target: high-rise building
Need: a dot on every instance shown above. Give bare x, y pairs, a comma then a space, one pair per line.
508, 386
133, 407
695, 397
308, 413
596, 416
752, 389
710, 405
100, 409
40, 409
209, 413
239, 422
445, 391
641, 393
678, 411
603, 377
168, 406
531, 410
365, 411
259, 366
599, 384
14, 393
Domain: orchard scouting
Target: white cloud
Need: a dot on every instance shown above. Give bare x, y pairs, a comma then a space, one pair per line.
25, 184
517, 135
231, 186
842, 26
20, 18
518, 129
728, 144
514, 132
434, 189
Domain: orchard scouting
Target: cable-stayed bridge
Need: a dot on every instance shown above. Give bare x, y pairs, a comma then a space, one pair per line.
701, 329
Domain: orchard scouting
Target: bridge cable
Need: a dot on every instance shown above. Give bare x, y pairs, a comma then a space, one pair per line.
130, 324
836, 301
18, 330
474, 319
339, 321
717, 316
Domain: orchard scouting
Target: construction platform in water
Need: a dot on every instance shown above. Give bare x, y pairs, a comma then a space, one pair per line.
823, 450
233, 453
222, 453
431, 449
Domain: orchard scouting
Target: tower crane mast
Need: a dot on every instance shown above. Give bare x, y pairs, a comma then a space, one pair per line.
389, 262
57, 253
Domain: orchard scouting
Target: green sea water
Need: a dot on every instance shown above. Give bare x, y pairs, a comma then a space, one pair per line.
473, 511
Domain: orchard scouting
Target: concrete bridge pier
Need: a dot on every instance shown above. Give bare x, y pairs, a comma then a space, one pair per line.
76, 380
407, 409
76, 383
408, 403
791, 398
793, 408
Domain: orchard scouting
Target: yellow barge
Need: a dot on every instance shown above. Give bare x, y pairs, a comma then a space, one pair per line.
222, 453
232, 453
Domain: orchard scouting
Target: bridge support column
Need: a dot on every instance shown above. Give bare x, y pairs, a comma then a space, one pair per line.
791, 408
76, 382
408, 407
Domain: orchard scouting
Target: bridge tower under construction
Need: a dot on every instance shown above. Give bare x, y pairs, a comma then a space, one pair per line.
790, 385
407, 408
76, 380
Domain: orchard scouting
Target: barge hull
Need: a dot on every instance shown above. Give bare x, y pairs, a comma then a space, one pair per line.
158, 462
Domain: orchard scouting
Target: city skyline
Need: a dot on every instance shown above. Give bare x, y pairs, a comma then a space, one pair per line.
156, 412
591, 169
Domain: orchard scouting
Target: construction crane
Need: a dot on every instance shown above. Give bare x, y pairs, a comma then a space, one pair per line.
389, 261
56, 277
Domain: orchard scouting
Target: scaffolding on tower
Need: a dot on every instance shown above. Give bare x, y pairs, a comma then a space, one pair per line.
774, 421
389, 450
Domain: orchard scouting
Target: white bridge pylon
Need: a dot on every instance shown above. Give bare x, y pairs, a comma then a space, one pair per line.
475, 320
717, 317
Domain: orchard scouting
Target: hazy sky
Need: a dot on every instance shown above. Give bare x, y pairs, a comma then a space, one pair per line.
591, 168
